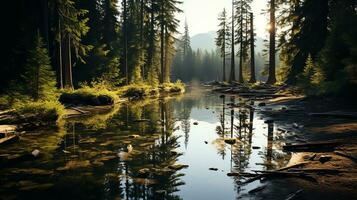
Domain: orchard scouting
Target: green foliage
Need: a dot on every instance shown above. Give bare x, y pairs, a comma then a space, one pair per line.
177, 87
45, 111
40, 80
97, 93
138, 91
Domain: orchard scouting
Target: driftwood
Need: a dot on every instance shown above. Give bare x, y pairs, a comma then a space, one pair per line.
311, 146
294, 195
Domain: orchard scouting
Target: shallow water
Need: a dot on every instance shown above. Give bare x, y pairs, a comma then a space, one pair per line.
118, 155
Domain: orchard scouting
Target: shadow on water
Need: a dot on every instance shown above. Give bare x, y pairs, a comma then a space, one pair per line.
140, 150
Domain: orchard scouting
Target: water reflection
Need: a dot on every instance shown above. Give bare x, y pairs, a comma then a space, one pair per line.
139, 150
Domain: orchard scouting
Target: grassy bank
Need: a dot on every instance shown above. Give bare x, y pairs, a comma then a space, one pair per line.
52, 110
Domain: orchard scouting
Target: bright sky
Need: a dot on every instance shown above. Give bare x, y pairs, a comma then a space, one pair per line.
202, 15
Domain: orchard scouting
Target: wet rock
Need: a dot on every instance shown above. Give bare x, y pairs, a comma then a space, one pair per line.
195, 123
213, 169
178, 167
35, 153
74, 164
324, 159
206, 142
230, 140
255, 147
261, 104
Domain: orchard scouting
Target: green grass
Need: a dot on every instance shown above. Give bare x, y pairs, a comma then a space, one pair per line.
40, 111
144, 90
96, 95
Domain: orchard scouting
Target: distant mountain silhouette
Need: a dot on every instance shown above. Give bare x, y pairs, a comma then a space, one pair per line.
206, 41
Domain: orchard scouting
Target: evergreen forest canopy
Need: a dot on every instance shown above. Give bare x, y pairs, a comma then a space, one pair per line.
49, 44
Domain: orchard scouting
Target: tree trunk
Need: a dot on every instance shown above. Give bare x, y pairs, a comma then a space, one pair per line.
68, 82
60, 65
125, 43
142, 34
271, 77
240, 78
162, 43
232, 77
252, 52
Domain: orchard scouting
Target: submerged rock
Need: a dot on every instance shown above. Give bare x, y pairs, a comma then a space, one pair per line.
213, 169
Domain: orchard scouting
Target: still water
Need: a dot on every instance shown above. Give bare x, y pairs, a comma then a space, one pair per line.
172, 148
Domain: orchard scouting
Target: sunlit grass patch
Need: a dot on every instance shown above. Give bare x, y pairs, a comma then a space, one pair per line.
40, 112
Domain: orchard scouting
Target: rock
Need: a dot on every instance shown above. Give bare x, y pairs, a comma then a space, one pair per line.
255, 147
206, 142
324, 159
213, 169
178, 167
35, 153
261, 104
195, 123
230, 140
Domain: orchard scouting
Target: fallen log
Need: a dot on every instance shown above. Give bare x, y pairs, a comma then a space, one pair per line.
311, 146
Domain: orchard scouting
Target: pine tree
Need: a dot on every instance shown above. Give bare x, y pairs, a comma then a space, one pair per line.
72, 27
222, 40
252, 50
39, 78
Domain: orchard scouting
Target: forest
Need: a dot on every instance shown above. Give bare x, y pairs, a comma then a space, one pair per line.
113, 97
